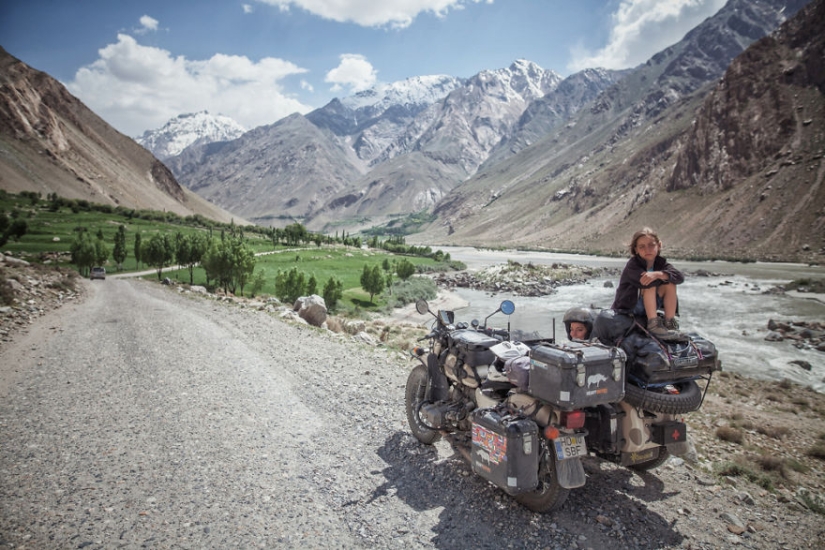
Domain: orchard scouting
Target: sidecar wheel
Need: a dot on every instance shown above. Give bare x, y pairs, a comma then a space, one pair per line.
413, 399
549, 495
688, 399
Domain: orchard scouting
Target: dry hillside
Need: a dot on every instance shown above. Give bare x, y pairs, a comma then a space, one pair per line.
50, 142
736, 173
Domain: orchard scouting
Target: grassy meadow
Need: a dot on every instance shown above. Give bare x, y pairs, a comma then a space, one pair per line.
51, 231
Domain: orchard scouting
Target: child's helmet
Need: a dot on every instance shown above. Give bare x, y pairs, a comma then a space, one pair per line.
581, 315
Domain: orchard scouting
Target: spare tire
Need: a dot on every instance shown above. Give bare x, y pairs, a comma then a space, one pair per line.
658, 400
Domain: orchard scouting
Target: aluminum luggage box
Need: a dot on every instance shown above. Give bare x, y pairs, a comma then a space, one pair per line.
505, 450
577, 374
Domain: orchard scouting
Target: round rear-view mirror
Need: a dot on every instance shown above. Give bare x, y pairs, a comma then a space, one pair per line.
507, 307
421, 306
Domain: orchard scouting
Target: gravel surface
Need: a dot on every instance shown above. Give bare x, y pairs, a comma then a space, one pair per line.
143, 417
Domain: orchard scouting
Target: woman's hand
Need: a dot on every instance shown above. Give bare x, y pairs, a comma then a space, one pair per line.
650, 277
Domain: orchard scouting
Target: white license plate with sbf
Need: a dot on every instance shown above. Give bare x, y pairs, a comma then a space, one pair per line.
570, 446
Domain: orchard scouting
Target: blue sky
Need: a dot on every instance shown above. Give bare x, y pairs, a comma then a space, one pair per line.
138, 64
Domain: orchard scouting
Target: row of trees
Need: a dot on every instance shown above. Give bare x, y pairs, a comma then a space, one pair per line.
397, 245
296, 234
291, 284
228, 261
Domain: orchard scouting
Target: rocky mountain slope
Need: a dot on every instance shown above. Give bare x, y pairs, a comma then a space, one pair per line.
553, 109
398, 147
50, 142
412, 146
613, 167
189, 129
371, 120
270, 175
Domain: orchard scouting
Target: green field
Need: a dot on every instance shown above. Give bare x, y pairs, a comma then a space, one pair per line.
50, 233
344, 263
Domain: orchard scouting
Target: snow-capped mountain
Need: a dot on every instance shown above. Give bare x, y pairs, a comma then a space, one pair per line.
408, 143
419, 90
473, 119
371, 120
189, 129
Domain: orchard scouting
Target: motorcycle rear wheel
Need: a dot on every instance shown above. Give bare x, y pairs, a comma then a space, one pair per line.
655, 463
688, 399
413, 399
549, 495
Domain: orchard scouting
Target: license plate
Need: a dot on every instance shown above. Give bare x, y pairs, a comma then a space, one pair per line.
570, 446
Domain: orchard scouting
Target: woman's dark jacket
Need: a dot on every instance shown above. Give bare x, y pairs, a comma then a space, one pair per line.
630, 282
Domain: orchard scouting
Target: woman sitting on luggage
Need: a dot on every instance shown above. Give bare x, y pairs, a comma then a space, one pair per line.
647, 284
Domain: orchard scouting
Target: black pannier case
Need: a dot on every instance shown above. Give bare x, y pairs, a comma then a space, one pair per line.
578, 374
505, 450
473, 347
652, 362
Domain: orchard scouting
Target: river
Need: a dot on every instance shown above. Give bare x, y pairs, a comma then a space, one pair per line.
729, 307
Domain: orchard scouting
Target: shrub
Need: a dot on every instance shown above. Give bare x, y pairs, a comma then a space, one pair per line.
334, 325
776, 432
785, 384
740, 469
798, 466
332, 293
732, 435
812, 502
817, 451
772, 464
414, 288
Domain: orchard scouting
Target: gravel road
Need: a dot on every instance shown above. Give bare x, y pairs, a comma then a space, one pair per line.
146, 418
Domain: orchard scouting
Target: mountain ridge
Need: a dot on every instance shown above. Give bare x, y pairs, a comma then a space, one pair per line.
580, 189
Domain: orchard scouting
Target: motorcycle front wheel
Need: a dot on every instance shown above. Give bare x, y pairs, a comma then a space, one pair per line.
414, 395
549, 495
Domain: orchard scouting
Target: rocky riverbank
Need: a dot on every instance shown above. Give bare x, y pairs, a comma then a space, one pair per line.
522, 279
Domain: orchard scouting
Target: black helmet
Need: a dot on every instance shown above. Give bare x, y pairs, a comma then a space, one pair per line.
579, 315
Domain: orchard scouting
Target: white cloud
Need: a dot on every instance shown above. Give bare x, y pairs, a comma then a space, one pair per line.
147, 24
247, 8
135, 87
307, 86
641, 28
369, 13
353, 72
